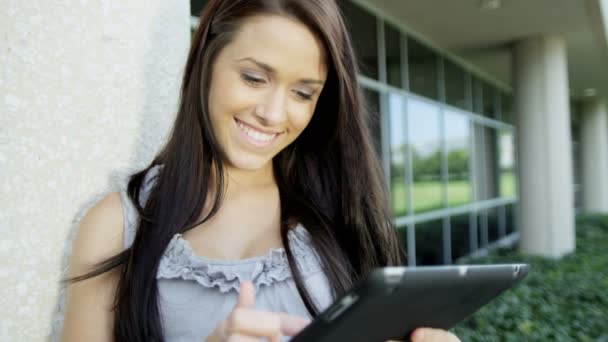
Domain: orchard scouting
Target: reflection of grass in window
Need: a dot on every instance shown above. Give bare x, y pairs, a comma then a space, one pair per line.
459, 192
399, 197
427, 195
507, 184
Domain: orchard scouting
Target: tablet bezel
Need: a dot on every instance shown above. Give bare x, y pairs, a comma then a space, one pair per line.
392, 301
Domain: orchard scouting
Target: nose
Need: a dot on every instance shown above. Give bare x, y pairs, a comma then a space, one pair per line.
272, 111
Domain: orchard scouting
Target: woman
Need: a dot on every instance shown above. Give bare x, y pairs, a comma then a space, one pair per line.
265, 204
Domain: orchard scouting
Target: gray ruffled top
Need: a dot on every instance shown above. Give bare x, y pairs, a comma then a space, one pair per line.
196, 293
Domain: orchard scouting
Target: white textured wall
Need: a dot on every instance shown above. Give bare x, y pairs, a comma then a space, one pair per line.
88, 91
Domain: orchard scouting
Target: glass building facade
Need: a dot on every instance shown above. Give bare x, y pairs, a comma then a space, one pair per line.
445, 137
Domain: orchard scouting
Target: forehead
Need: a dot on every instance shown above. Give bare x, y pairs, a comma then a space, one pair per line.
285, 44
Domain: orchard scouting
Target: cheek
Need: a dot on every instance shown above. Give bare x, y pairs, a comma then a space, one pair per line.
300, 118
228, 94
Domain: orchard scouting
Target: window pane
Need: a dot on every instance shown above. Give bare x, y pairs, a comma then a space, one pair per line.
507, 164
373, 101
493, 233
422, 69
429, 243
461, 238
396, 110
510, 218
482, 231
196, 6
393, 55
457, 135
423, 129
477, 95
362, 28
486, 162
507, 114
455, 93
489, 101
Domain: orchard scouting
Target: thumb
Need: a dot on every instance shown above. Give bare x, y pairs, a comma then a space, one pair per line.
246, 295
292, 325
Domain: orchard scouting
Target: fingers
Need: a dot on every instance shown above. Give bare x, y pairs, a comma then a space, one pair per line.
433, 335
291, 325
272, 325
245, 323
246, 295
254, 323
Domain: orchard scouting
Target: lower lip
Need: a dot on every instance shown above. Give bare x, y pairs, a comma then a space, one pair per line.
252, 141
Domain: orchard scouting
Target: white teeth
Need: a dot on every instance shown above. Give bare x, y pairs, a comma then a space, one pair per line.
255, 134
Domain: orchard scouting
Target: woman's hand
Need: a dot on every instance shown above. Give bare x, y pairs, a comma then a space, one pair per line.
432, 335
245, 323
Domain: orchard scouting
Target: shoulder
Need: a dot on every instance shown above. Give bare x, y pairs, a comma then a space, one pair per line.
307, 257
100, 233
89, 303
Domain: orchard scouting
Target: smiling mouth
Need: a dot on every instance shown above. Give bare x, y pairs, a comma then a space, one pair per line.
259, 138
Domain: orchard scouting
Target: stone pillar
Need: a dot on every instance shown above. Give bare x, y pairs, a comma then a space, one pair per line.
545, 147
594, 155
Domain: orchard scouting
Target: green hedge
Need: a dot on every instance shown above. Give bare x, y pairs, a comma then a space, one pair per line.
559, 300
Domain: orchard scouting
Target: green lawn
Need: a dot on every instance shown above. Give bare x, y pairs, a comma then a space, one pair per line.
427, 194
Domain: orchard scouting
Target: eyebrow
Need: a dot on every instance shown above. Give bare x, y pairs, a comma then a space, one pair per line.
271, 70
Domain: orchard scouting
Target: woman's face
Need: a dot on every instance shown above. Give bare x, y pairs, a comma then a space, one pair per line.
264, 88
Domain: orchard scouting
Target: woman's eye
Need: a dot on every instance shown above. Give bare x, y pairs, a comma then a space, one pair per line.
303, 95
252, 79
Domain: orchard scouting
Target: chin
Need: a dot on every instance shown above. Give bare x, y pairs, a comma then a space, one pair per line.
249, 162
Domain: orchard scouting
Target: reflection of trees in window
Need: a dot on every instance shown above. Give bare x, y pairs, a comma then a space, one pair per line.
424, 135
398, 152
458, 143
458, 161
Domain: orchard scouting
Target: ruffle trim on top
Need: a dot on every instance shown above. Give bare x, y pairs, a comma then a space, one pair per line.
180, 261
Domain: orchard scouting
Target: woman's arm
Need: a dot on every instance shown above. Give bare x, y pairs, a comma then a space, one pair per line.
88, 315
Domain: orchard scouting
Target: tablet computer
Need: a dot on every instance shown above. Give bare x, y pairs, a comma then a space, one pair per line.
393, 301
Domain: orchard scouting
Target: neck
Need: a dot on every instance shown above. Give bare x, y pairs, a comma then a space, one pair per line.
239, 180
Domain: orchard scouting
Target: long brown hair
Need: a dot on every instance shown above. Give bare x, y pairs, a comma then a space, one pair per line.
329, 178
